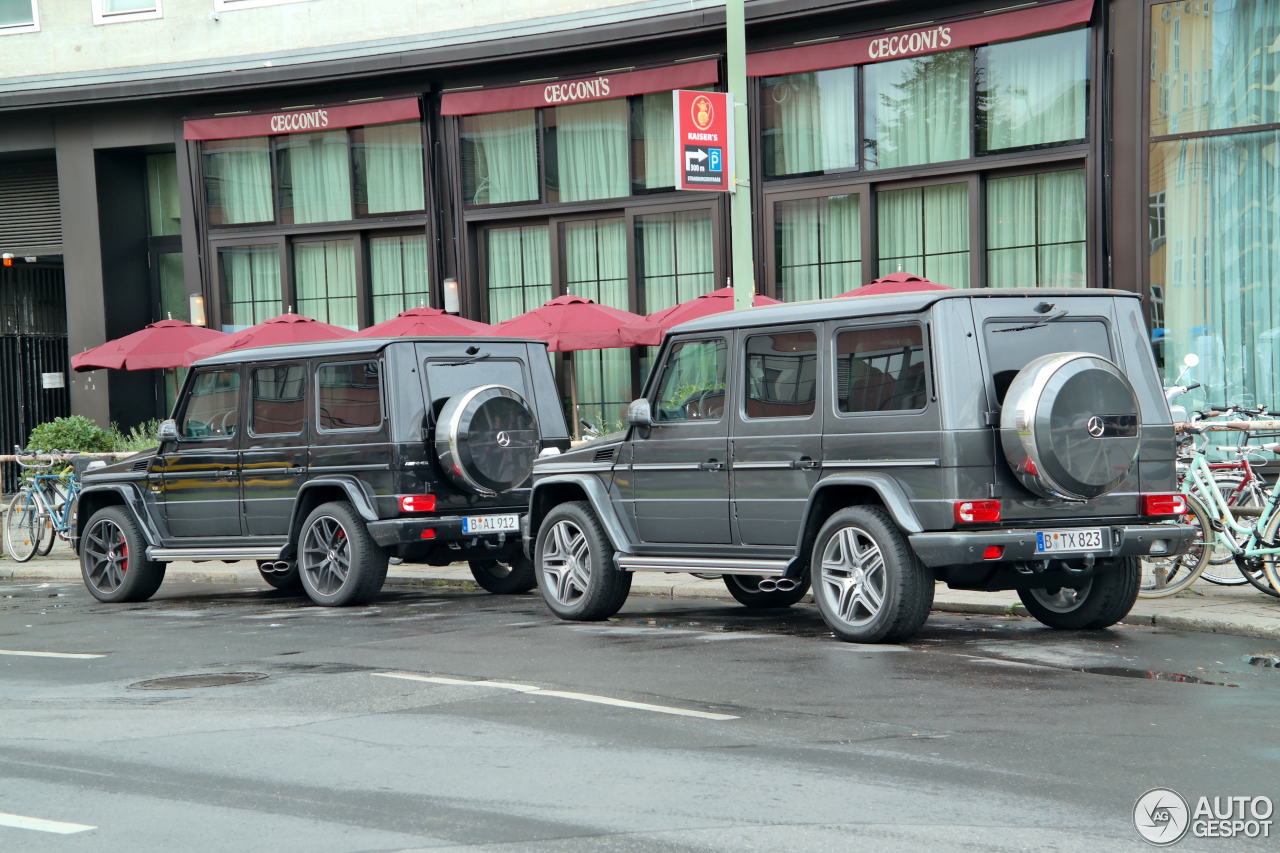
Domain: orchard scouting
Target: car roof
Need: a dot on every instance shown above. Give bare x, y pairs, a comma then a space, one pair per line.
345, 346
842, 307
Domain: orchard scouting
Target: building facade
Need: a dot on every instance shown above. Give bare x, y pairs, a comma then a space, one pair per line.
383, 161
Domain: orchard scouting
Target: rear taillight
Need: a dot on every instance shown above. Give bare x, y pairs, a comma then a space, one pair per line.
1163, 504
417, 503
993, 552
977, 512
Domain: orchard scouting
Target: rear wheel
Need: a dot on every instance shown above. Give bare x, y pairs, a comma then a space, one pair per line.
338, 561
23, 526
504, 578
113, 559
1100, 601
574, 562
746, 589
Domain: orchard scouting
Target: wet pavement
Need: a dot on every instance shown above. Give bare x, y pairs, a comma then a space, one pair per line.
224, 716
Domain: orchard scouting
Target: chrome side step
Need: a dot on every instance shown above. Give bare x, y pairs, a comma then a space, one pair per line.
702, 565
167, 554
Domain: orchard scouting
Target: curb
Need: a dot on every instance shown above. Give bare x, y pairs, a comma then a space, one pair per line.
1202, 623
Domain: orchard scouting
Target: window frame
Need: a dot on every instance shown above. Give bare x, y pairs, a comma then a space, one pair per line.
744, 376
363, 296
870, 325
280, 243
32, 27
102, 16
382, 395
251, 397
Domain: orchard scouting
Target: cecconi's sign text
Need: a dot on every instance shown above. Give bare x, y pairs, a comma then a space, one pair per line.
559, 93
902, 44
287, 122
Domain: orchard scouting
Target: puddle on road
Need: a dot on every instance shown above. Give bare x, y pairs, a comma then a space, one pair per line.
1270, 659
1151, 675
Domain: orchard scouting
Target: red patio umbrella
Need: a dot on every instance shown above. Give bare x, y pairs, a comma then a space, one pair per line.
285, 329
157, 346
569, 323
425, 322
895, 282
649, 330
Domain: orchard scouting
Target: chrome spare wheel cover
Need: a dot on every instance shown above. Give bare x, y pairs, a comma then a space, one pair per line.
853, 576
1064, 599
106, 555
326, 555
566, 562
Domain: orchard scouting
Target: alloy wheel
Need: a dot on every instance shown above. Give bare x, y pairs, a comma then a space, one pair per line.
106, 555
326, 555
853, 576
1063, 599
566, 562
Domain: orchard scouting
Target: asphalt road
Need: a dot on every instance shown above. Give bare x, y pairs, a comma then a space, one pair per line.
696, 726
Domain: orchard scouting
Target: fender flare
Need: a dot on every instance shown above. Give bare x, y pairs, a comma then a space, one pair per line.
890, 493
350, 486
597, 496
130, 498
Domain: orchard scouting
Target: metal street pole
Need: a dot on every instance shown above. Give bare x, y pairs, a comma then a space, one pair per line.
743, 268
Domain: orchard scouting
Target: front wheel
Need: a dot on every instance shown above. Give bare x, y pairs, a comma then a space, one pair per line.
746, 589
23, 526
338, 561
869, 585
504, 578
1100, 601
573, 559
113, 558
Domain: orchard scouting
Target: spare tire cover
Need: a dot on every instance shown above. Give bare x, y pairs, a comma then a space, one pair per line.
486, 439
1070, 426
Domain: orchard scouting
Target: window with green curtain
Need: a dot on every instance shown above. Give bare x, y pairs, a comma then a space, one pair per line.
16, 13
655, 135
587, 151
1218, 266
810, 122
162, 195
1036, 230
925, 231
917, 110
250, 285
499, 157
173, 287
324, 279
315, 177
399, 274
388, 168
818, 246
517, 270
675, 257
595, 256
1032, 92
1214, 65
237, 180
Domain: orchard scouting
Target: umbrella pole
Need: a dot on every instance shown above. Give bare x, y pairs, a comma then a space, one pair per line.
573, 394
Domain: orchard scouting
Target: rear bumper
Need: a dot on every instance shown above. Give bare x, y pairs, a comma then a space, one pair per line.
448, 528
955, 548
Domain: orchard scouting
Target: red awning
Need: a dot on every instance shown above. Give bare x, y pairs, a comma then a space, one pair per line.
301, 121
931, 37
580, 90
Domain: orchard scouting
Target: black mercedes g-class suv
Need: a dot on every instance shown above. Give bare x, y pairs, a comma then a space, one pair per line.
321, 461
990, 439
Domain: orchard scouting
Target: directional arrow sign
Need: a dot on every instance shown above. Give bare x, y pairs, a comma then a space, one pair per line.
704, 124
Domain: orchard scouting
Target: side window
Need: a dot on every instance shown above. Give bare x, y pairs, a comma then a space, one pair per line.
881, 370
349, 395
781, 375
692, 386
278, 399
213, 407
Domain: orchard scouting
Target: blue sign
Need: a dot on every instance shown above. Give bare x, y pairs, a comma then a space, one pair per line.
714, 164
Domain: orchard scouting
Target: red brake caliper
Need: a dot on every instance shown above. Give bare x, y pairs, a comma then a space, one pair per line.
124, 555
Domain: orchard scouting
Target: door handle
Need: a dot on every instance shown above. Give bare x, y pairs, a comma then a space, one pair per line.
711, 465
804, 463
225, 473
297, 469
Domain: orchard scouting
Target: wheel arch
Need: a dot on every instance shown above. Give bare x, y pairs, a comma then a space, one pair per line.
549, 492
836, 493
322, 491
118, 494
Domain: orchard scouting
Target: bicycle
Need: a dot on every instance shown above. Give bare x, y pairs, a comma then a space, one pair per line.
43, 510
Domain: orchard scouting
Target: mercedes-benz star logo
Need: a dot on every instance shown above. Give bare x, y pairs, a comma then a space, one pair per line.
1096, 427
1161, 816
503, 438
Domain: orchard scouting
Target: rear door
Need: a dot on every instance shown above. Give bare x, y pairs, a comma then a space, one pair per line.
201, 471
274, 459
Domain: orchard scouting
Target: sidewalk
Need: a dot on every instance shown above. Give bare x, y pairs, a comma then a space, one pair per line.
1205, 607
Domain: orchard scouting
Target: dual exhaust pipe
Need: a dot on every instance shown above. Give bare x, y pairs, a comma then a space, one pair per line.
275, 567
777, 585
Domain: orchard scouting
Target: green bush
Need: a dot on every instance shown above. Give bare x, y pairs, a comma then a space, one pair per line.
136, 438
76, 433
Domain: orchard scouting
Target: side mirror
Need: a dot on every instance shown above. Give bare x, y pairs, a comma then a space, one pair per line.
168, 430
639, 414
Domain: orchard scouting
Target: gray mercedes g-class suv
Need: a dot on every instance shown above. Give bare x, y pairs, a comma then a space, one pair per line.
990, 439
322, 461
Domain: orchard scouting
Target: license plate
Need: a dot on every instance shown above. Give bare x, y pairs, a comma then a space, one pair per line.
490, 523
1072, 539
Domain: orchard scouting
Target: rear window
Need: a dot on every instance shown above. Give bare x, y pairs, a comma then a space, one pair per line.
881, 370
447, 377
1011, 344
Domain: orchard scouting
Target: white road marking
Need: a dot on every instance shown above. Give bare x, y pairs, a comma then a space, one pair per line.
18, 821
68, 655
560, 694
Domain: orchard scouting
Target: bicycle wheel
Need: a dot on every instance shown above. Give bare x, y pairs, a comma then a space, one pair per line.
23, 526
1270, 566
56, 494
1163, 576
1222, 568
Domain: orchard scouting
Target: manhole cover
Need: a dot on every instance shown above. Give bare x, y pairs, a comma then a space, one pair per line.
186, 682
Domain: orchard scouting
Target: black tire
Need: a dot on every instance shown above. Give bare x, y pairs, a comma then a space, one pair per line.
504, 578
113, 559
286, 581
1104, 599
745, 589
859, 555
338, 561
573, 559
